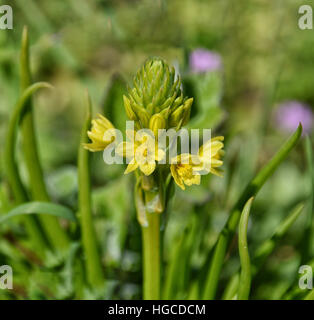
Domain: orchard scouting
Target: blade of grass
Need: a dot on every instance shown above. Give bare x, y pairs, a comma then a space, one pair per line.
308, 240
269, 245
11, 168
264, 250
56, 235
174, 274
37, 207
177, 277
245, 276
310, 295
93, 265
228, 231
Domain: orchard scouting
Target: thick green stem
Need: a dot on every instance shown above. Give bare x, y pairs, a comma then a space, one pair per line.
151, 257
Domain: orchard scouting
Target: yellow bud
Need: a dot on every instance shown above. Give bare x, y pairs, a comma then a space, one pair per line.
143, 117
128, 109
186, 111
156, 122
176, 116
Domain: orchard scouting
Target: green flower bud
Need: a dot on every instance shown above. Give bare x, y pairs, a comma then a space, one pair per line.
155, 84
156, 122
156, 90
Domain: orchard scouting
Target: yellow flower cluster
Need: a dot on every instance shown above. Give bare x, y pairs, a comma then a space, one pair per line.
144, 154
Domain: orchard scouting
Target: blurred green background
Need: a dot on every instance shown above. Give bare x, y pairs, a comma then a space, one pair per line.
99, 45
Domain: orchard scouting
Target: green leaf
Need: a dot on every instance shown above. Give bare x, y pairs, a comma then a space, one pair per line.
93, 266
11, 168
266, 248
40, 208
9, 154
308, 239
245, 276
225, 236
54, 232
310, 295
264, 251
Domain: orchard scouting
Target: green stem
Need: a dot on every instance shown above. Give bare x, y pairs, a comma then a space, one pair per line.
93, 265
151, 257
52, 228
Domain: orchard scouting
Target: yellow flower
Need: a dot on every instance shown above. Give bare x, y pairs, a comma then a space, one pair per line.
184, 169
143, 152
100, 135
210, 155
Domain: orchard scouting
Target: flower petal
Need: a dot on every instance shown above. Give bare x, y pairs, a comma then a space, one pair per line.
195, 180
216, 172
147, 168
133, 165
176, 177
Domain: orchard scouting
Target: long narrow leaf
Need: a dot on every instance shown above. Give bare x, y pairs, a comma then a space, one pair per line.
310, 295
12, 173
93, 261
245, 276
308, 239
56, 235
264, 251
228, 231
48, 208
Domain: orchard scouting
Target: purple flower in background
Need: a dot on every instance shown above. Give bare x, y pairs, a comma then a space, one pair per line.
291, 113
202, 60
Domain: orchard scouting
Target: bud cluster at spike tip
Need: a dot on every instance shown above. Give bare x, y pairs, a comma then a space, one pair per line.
156, 100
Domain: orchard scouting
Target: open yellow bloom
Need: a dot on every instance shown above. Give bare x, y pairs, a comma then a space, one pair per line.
184, 169
143, 152
210, 155
100, 135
